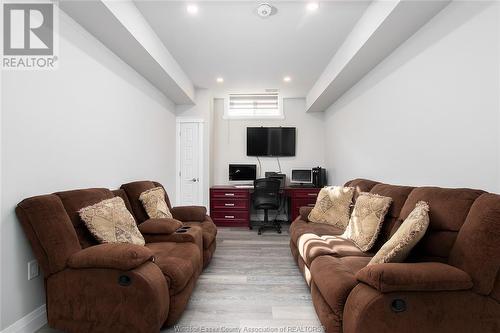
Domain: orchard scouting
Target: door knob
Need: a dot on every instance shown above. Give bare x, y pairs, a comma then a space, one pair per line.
195, 180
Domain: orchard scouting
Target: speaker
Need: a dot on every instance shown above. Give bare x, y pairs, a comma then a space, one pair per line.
319, 177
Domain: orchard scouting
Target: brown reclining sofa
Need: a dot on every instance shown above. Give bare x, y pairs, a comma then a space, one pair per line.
93, 287
450, 282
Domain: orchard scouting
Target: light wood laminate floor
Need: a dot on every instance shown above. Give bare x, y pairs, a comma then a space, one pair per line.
251, 285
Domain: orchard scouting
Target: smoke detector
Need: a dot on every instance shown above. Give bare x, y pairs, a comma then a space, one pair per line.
265, 10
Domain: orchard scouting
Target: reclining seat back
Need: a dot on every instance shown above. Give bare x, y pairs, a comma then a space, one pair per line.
399, 194
360, 185
75, 200
448, 211
49, 231
134, 190
477, 249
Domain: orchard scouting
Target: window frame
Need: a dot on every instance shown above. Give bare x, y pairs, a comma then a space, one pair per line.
228, 116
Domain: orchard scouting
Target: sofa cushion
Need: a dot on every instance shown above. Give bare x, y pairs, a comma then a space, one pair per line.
109, 221
300, 227
447, 214
179, 262
311, 246
399, 194
408, 235
153, 201
209, 231
366, 219
133, 191
44, 219
332, 206
75, 200
335, 278
360, 185
477, 249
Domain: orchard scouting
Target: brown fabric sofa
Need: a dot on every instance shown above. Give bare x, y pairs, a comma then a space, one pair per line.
110, 287
450, 282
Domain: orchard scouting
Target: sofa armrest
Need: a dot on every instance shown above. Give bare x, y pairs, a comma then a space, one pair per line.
159, 226
425, 276
189, 213
119, 256
304, 213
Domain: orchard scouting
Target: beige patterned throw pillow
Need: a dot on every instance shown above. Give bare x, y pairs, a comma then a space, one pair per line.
154, 203
333, 206
109, 221
411, 231
366, 219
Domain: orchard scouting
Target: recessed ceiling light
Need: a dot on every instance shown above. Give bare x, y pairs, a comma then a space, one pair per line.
312, 6
192, 9
287, 79
220, 80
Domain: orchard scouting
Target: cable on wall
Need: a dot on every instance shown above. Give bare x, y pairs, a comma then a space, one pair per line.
279, 164
260, 167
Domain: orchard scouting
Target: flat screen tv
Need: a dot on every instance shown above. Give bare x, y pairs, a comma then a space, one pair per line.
270, 141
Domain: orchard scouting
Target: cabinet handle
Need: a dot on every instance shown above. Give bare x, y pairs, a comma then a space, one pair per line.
229, 204
310, 205
229, 216
312, 194
229, 194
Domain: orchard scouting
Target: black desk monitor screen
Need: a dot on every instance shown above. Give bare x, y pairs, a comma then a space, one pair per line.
242, 172
270, 141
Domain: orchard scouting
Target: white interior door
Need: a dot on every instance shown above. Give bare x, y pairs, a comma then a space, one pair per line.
190, 169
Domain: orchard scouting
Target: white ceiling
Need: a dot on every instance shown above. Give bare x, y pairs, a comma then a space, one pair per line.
228, 39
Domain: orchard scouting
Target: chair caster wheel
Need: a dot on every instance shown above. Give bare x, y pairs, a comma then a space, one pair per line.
259, 232
279, 231
250, 228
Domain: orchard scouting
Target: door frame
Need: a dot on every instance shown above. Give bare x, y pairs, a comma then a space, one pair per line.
201, 124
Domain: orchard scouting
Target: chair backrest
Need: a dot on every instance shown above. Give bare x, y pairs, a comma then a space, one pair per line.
266, 192
399, 194
134, 190
477, 246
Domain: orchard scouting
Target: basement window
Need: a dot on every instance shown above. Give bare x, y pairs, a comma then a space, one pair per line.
254, 106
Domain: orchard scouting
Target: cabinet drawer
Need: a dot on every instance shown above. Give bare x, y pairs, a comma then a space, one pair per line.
306, 202
229, 193
241, 204
309, 193
229, 215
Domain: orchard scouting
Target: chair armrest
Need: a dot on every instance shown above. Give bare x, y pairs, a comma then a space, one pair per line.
425, 276
189, 213
159, 226
304, 212
119, 256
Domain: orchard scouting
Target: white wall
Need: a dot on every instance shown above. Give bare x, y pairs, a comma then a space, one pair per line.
429, 113
92, 122
229, 140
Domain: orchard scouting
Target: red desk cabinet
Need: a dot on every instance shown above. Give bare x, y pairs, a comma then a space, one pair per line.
230, 206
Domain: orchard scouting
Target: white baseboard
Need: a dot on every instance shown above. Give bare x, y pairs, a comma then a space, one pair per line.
30, 323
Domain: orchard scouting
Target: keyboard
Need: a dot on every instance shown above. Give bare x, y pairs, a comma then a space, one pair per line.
243, 186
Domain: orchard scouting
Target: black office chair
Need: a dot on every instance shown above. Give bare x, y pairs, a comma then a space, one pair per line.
266, 196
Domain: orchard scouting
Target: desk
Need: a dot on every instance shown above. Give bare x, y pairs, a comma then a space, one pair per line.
230, 206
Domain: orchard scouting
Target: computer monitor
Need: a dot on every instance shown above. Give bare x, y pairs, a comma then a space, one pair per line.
301, 176
242, 172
